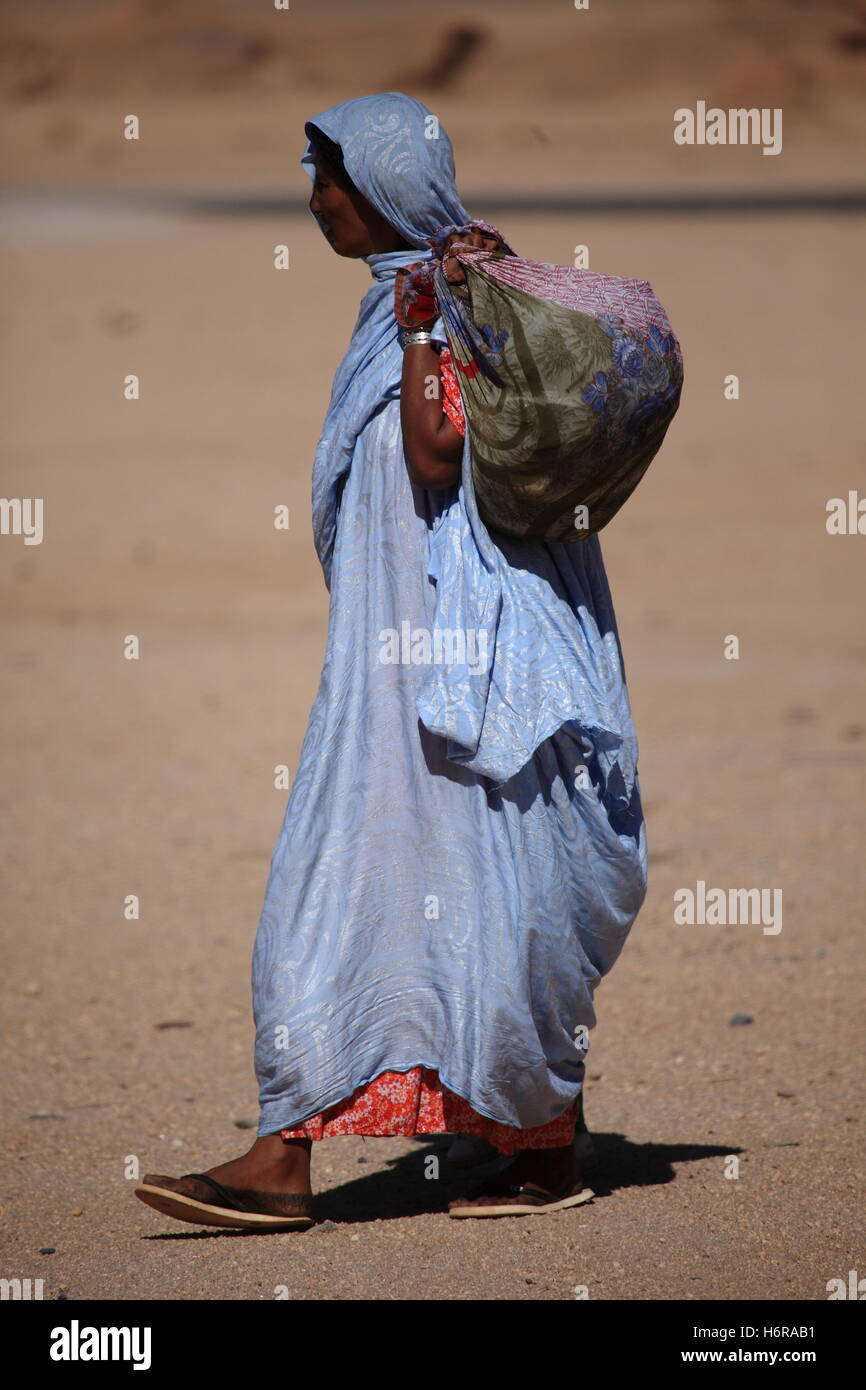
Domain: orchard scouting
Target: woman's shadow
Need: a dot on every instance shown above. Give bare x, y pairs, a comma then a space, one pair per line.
423, 1181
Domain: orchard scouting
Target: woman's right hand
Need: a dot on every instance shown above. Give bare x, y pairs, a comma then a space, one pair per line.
479, 241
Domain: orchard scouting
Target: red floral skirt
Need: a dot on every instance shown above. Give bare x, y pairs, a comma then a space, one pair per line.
416, 1102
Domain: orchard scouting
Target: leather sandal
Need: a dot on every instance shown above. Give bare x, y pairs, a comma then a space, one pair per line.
240, 1209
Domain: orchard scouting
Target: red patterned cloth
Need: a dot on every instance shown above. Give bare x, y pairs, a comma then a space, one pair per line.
451, 402
416, 1102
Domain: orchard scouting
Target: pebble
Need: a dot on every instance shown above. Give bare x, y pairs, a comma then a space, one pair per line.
48, 1250
244, 1124
740, 1020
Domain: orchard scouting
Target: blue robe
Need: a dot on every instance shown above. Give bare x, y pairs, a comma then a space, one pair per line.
463, 851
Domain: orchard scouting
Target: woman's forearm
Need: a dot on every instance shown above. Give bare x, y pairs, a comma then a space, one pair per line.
433, 447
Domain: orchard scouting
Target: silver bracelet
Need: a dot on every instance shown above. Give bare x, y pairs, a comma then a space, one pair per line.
410, 336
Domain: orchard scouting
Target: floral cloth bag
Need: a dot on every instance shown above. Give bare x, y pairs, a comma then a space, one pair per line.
569, 380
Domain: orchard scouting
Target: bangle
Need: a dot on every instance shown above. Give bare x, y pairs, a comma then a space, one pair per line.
408, 336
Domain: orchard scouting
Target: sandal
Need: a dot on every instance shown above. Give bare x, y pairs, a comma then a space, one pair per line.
239, 1209
517, 1199
517, 1192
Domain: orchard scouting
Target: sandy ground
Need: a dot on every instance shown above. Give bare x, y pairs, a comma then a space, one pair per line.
155, 777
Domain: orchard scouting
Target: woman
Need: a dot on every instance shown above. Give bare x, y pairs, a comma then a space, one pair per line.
463, 852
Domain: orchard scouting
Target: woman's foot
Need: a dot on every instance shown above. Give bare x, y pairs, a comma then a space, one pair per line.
271, 1165
537, 1180
267, 1188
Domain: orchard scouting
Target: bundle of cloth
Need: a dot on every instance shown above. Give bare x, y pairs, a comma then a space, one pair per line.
569, 380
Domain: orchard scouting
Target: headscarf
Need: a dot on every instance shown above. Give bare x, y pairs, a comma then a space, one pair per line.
401, 159
548, 662
397, 154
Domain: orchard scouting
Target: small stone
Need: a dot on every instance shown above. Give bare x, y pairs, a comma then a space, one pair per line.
244, 1124
45, 1115
177, 1144
78, 1211
326, 1226
32, 987
786, 1095
363, 1160
48, 1250
740, 1020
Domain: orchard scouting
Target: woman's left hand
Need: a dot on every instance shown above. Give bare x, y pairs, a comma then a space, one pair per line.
414, 299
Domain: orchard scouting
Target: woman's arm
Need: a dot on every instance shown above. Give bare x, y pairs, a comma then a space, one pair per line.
433, 447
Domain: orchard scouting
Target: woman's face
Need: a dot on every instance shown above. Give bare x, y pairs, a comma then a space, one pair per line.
352, 226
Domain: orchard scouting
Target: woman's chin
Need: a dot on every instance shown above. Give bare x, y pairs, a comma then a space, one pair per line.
351, 251
338, 245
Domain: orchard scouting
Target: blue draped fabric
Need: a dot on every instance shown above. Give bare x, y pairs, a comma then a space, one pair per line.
463, 852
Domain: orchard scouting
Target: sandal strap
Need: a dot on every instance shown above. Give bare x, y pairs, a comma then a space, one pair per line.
540, 1192
257, 1203
227, 1198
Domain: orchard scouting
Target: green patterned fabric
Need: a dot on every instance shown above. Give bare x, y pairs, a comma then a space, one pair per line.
569, 381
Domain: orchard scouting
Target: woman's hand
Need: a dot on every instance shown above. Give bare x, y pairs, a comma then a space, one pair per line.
478, 241
414, 296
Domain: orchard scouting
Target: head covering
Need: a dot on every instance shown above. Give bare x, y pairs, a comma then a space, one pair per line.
397, 155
